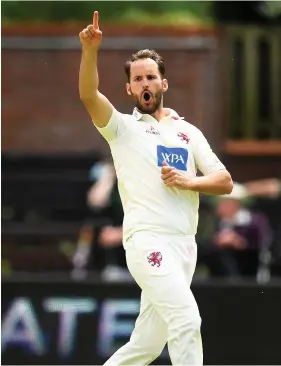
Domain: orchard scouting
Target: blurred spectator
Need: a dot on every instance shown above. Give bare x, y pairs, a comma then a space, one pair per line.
103, 198
269, 188
239, 239
267, 194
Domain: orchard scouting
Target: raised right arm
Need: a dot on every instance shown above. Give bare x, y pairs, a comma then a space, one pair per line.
97, 105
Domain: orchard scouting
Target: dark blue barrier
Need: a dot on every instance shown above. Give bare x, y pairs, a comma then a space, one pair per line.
56, 321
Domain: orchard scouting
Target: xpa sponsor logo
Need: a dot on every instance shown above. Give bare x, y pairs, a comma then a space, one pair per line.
174, 156
152, 131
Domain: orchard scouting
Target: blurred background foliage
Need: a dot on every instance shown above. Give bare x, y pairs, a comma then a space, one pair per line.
156, 12
194, 13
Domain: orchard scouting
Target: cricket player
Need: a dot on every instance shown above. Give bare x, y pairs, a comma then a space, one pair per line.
156, 156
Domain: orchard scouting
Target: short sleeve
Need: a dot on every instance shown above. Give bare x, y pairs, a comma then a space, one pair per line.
206, 160
114, 128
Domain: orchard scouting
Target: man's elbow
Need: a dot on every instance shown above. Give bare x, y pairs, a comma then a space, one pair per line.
87, 99
88, 96
228, 183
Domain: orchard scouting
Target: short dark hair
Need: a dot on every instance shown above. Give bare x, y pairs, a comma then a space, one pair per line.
143, 54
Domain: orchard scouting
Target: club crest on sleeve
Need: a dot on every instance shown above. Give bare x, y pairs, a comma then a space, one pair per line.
155, 259
183, 136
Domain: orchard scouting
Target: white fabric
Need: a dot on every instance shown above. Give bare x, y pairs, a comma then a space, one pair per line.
159, 228
169, 312
137, 142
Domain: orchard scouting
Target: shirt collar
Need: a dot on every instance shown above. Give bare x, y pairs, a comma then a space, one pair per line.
171, 114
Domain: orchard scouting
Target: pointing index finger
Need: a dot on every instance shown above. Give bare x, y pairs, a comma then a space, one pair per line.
96, 20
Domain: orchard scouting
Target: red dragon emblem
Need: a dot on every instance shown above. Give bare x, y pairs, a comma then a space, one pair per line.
154, 259
183, 137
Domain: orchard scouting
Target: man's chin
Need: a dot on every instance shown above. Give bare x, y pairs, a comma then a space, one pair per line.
146, 109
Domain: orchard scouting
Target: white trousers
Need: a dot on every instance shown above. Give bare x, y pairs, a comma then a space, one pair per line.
163, 267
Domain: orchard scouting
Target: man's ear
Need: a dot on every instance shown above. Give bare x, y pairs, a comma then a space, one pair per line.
165, 85
128, 88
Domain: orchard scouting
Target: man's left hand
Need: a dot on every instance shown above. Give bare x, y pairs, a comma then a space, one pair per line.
174, 178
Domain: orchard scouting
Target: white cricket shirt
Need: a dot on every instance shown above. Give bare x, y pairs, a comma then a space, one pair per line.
139, 144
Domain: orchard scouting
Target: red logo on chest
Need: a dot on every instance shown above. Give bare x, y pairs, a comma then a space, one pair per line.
155, 259
183, 136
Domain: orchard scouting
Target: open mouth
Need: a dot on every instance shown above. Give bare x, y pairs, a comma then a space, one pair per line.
146, 96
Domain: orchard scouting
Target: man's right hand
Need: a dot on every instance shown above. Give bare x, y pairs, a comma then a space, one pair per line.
91, 36
97, 105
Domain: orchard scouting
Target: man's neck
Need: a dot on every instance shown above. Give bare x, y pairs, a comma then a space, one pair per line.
160, 113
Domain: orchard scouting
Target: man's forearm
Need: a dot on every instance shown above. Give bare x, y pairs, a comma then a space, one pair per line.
88, 74
214, 184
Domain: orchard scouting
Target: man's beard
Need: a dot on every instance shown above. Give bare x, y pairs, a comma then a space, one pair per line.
155, 103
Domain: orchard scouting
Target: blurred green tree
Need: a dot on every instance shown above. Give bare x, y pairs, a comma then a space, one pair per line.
169, 12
